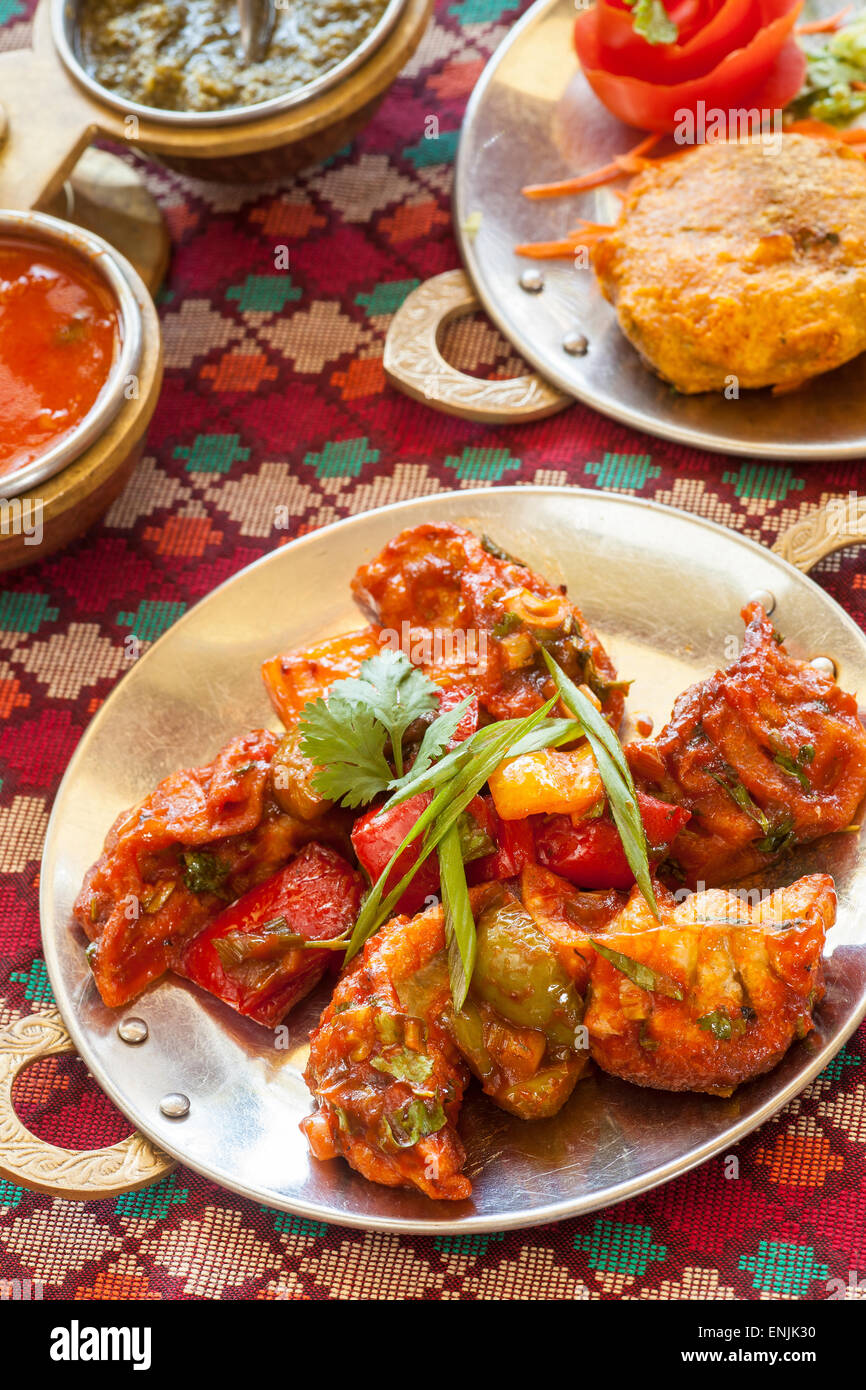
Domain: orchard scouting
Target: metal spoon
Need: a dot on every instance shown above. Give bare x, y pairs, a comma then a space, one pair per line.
257, 20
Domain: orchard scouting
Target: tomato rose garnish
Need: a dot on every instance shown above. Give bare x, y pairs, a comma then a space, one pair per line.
725, 54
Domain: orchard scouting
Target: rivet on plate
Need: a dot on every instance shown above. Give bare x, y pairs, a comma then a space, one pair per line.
826, 665
532, 281
174, 1106
132, 1030
575, 344
764, 598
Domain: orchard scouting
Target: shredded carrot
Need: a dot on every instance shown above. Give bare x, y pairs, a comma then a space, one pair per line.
634, 163
591, 230
585, 234
547, 250
820, 130
629, 163
826, 26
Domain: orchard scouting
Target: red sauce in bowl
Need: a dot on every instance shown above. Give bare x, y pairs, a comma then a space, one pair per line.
58, 336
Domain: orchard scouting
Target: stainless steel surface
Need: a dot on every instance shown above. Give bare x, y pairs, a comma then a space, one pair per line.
533, 118
256, 19
665, 590
100, 257
64, 29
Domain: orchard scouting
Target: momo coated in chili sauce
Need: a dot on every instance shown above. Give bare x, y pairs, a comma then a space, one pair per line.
58, 336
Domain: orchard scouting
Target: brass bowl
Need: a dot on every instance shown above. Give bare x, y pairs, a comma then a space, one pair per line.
50, 502
92, 250
65, 29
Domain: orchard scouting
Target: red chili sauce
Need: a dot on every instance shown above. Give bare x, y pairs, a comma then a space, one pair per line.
58, 332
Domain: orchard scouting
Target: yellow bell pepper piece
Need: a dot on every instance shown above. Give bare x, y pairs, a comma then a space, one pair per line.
549, 781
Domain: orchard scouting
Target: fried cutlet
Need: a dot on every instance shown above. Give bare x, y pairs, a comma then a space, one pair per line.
742, 260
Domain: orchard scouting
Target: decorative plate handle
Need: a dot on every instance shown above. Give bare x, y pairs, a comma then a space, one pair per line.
77, 1174
840, 522
414, 363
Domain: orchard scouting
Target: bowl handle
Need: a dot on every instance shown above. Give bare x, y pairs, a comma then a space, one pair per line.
76, 1174
415, 365
840, 522
40, 140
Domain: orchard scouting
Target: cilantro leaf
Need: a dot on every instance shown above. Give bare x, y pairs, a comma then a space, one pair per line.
412, 1067
652, 20
347, 744
415, 1120
346, 734
721, 1025
203, 872
394, 691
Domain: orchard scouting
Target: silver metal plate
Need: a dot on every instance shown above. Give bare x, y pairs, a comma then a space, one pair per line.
533, 118
665, 590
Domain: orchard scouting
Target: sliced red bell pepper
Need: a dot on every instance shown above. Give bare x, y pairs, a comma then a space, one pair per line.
736, 55
246, 956
590, 854
514, 840
450, 699
375, 837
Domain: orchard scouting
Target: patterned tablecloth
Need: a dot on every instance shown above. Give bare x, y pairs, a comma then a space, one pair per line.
275, 395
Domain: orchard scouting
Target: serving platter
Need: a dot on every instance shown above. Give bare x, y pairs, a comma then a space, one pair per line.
664, 590
533, 118
65, 25
43, 140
